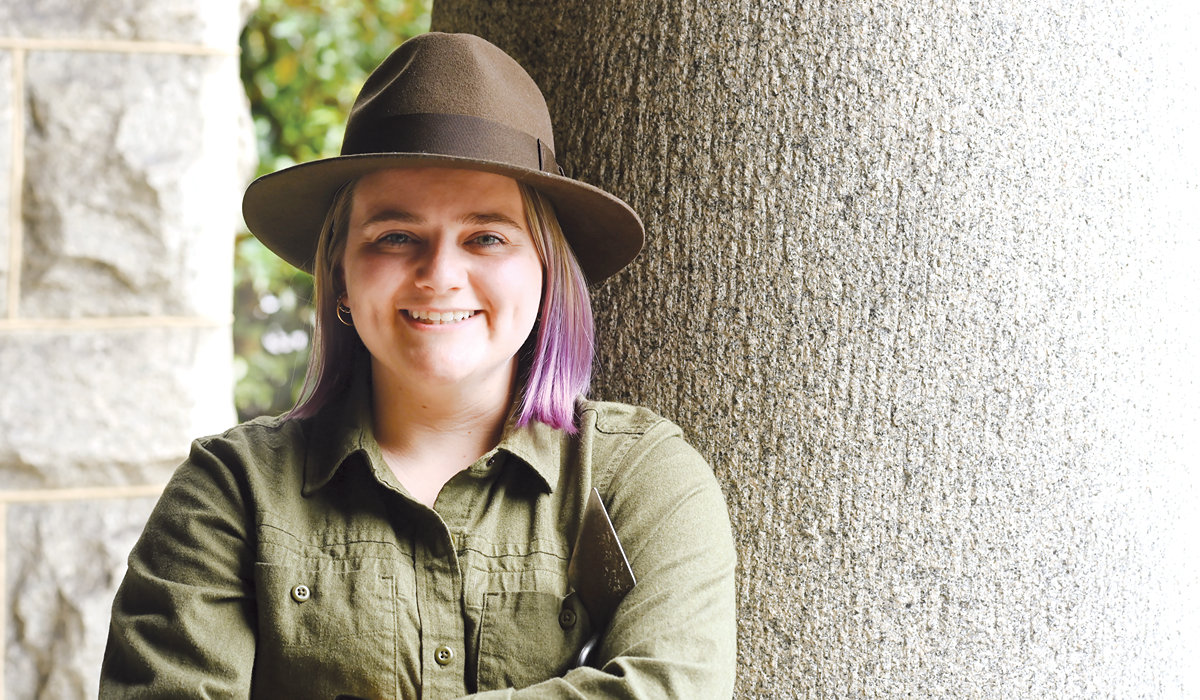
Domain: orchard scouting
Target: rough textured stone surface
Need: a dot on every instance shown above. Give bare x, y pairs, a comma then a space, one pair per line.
65, 561
102, 408
133, 168
919, 281
187, 21
6, 166
132, 179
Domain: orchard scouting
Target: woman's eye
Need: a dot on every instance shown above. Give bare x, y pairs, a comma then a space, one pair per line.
395, 238
488, 239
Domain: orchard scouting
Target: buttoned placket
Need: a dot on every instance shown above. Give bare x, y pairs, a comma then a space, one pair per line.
440, 593
439, 604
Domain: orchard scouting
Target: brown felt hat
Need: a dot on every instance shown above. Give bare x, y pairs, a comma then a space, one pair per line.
445, 100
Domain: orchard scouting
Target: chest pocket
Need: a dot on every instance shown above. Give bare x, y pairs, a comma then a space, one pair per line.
527, 637
325, 631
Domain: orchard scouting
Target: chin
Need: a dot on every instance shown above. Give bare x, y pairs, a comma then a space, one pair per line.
452, 370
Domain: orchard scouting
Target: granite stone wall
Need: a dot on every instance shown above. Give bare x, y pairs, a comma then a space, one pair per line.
123, 146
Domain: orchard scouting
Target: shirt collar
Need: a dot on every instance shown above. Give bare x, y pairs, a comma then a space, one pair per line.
542, 448
342, 429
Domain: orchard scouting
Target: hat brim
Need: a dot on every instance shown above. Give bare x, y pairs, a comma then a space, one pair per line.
285, 210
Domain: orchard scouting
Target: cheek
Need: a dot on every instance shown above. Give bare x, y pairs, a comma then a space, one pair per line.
520, 285
533, 285
360, 275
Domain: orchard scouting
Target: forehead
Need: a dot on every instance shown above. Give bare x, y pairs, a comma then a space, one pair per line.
434, 192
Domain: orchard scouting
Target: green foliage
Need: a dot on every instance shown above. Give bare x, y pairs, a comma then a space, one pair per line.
303, 62
272, 328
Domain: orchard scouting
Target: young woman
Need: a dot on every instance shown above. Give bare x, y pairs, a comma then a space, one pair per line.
407, 530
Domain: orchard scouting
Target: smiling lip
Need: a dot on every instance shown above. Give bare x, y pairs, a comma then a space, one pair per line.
438, 318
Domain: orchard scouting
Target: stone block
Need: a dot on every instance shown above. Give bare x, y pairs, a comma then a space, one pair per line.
6, 165
64, 562
132, 184
105, 408
186, 21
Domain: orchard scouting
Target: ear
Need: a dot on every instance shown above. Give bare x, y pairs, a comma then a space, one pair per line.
339, 280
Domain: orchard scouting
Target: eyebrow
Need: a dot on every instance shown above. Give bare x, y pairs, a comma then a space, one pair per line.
475, 219
484, 219
394, 216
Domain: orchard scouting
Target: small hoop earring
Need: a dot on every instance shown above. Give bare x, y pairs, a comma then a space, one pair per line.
343, 309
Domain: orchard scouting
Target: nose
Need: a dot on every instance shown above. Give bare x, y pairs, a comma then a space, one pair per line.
442, 267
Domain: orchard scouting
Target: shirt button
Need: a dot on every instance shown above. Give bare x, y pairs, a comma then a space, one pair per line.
443, 655
301, 593
566, 618
492, 460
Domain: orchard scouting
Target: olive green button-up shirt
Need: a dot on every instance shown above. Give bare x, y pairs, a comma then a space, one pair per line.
284, 560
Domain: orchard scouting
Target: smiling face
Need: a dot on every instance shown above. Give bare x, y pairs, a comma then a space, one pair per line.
442, 276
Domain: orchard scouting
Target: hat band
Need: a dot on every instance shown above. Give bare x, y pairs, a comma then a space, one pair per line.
455, 135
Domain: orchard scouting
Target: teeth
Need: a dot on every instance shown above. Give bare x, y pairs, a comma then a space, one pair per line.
438, 318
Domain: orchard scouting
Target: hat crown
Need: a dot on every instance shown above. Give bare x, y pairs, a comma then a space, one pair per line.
460, 74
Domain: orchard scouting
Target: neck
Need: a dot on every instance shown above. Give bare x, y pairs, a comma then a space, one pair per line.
430, 433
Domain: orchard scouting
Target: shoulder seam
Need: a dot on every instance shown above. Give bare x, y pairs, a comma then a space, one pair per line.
248, 425
649, 420
667, 430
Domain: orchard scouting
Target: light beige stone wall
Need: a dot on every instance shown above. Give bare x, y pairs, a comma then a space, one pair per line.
921, 281
122, 151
